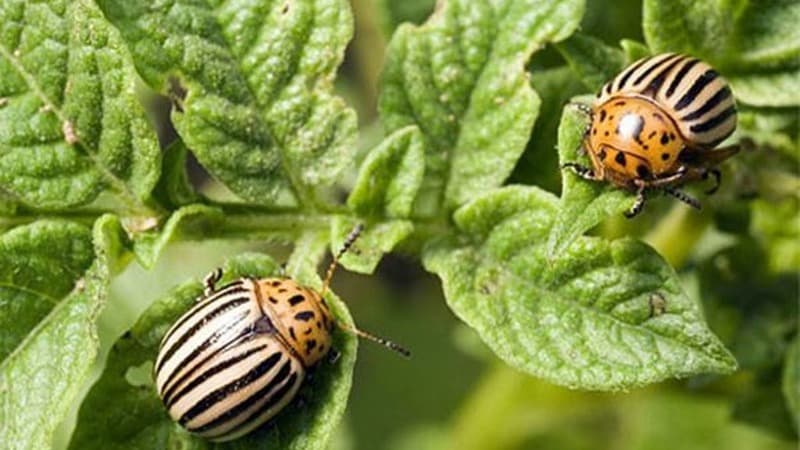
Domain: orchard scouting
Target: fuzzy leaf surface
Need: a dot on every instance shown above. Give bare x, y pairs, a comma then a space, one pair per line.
256, 79
461, 79
70, 125
41, 378
604, 315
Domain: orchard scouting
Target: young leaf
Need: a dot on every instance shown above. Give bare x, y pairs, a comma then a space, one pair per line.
377, 239
383, 196
604, 315
257, 108
40, 264
136, 419
71, 125
40, 380
390, 177
593, 61
583, 203
461, 79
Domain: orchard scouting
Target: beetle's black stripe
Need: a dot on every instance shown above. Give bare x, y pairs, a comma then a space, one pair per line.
627, 74
170, 400
714, 122
715, 100
653, 67
221, 393
699, 84
241, 407
171, 383
219, 310
658, 80
680, 75
232, 288
276, 398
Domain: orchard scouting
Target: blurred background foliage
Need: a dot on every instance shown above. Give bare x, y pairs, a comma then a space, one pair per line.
454, 394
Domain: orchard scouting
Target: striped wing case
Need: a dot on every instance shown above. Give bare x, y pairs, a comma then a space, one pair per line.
219, 373
692, 93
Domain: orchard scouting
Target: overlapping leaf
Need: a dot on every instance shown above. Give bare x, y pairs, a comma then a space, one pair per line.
604, 315
41, 378
460, 78
70, 123
255, 81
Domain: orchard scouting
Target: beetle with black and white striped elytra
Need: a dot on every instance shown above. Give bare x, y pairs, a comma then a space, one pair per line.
240, 355
655, 126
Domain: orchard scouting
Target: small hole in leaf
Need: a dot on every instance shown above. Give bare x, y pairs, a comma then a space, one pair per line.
141, 375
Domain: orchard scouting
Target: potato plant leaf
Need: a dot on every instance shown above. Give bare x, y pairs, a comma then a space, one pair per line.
41, 379
461, 79
603, 315
583, 203
70, 123
253, 84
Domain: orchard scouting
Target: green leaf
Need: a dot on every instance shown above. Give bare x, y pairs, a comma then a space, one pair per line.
782, 242
40, 380
539, 163
193, 221
174, 188
40, 264
258, 109
594, 62
584, 203
70, 125
390, 176
791, 381
377, 239
604, 315
136, 419
755, 44
461, 79
634, 50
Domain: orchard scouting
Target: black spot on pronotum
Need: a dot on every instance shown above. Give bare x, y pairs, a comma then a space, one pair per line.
310, 345
273, 300
658, 117
619, 103
672, 136
620, 159
601, 155
606, 133
304, 316
594, 131
651, 135
664, 156
664, 139
602, 115
292, 334
296, 299
308, 331
642, 171
275, 283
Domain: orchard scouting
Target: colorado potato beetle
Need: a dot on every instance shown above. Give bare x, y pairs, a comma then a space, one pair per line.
240, 354
655, 126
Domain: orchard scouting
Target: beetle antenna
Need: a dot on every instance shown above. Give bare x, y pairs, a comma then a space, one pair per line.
348, 242
377, 339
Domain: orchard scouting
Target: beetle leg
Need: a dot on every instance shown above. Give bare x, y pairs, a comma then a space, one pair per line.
638, 205
717, 179
582, 171
682, 196
211, 280
333, 356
